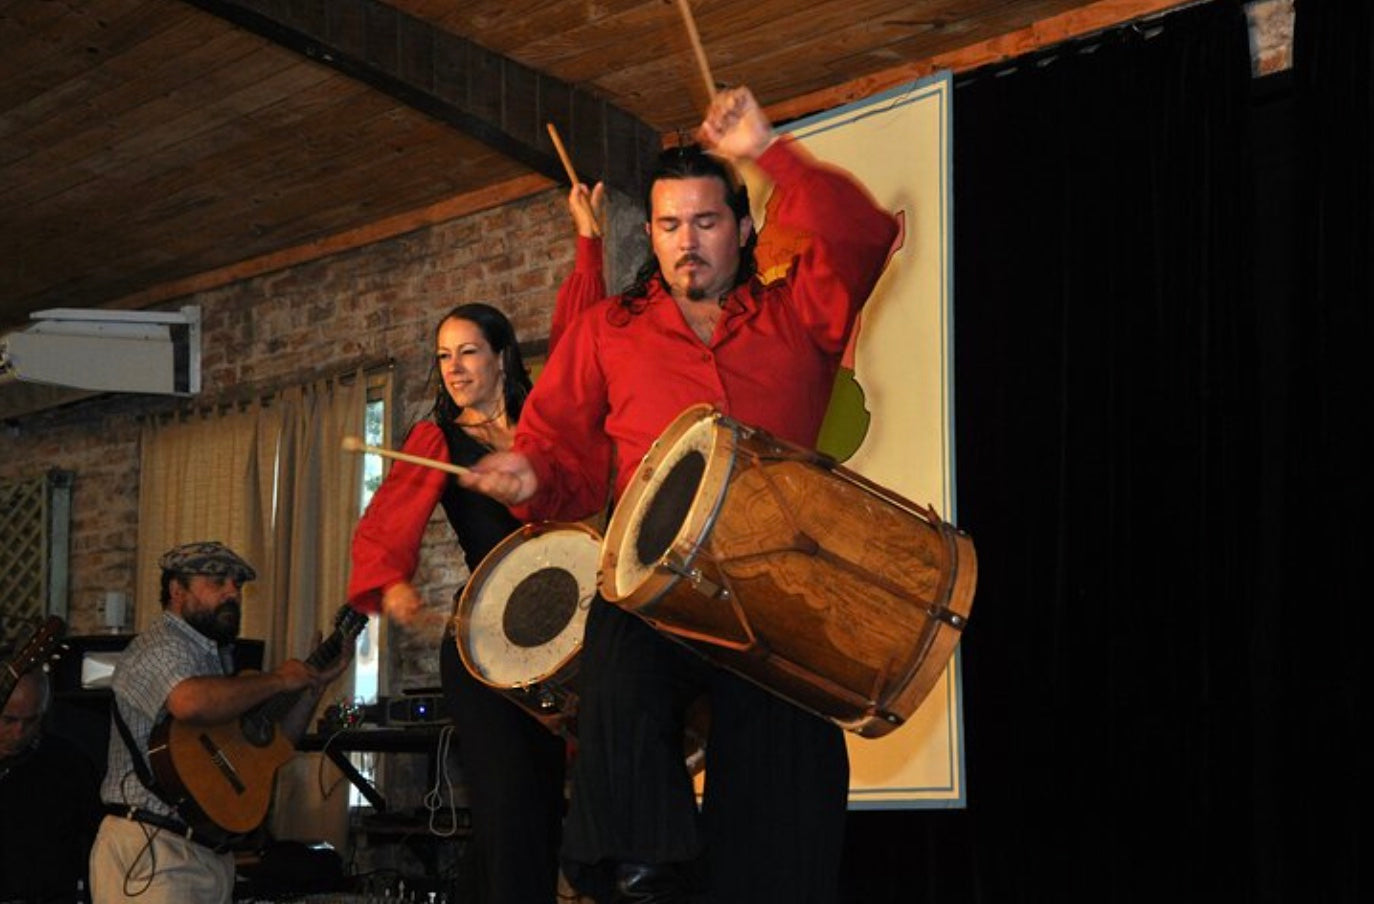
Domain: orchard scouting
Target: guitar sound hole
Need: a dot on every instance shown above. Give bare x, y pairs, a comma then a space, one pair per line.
258, 731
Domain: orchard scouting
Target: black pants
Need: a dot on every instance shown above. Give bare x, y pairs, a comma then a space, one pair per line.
513, 768
772, 820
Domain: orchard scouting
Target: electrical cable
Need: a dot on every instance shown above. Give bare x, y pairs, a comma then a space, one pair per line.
434, 799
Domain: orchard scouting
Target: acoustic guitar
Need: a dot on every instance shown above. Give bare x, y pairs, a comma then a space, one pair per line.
35, 652
221, 777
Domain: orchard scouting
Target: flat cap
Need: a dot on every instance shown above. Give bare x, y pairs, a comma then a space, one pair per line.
207, 557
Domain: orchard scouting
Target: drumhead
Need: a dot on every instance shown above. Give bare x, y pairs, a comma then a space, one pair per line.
669, 504
525, 609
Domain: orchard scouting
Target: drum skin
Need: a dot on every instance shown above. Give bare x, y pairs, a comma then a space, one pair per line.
520, 618
801, 576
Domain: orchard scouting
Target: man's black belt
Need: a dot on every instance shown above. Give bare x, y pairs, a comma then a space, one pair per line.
169, 823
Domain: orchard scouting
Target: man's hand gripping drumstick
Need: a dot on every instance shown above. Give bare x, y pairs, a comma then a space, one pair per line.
508, 477
735, 127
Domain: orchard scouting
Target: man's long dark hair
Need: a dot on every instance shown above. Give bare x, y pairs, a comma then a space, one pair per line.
691, 162
500, 335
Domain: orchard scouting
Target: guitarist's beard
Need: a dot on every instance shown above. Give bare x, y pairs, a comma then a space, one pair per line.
220, 625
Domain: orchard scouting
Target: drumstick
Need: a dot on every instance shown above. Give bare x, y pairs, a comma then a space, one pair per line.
695, 38
567, 166
562, 154
355, 444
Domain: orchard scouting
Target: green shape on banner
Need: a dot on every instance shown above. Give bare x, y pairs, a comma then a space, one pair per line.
846, 420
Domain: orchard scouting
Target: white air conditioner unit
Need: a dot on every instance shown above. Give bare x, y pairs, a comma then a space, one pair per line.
107, 351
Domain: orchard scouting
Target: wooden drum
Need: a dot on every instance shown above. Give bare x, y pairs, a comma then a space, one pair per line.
797, 574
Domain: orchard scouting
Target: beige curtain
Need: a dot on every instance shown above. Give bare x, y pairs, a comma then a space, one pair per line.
207, 477
273, 483
317, 506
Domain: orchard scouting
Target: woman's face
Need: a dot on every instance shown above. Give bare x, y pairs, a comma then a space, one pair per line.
471, 371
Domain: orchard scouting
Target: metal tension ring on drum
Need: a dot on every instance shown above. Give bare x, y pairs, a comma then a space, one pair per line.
699, 582
539, 695
948, 616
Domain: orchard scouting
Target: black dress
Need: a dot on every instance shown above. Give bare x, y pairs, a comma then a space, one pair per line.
513, 766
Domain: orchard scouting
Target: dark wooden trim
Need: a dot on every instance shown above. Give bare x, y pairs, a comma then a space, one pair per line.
491, 98
1074, 23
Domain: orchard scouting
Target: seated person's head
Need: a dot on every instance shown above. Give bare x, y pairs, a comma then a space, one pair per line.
22, 718
203, 583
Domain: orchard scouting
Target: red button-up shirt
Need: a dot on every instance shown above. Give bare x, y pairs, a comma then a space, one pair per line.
615, 383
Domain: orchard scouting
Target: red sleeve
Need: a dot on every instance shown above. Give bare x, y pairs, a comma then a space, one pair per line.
584, 287
386, 542
562, 430
851, 237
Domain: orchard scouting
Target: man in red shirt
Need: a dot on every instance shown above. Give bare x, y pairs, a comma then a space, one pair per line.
697, 326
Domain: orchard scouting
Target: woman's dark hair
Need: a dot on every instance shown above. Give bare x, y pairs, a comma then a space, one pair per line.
500, 335
689, 161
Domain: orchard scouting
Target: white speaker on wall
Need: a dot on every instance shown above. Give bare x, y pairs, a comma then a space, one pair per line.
107, 351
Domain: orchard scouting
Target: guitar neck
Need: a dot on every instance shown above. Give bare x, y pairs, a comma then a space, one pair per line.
34, 653
274, 709
8, 679
329, 650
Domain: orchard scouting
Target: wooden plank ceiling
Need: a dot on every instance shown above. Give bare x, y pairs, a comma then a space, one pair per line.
148, 145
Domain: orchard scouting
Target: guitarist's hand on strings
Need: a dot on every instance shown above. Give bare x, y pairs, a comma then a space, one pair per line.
312, 679
296, 675
323, 677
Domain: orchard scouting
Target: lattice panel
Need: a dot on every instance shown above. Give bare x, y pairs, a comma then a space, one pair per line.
27, 548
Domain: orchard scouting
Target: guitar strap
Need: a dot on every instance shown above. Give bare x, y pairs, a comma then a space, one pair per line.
145, 775
141, 768
215, 840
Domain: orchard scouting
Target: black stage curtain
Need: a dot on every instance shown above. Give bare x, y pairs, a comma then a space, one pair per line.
1156, 434
1316, 620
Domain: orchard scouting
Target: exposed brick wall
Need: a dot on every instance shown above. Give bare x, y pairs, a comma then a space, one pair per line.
99, 442
1271, 35
287, 327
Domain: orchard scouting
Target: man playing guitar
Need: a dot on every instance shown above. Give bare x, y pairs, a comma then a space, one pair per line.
178, 668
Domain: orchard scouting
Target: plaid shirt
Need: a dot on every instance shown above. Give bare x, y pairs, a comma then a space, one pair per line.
155, 662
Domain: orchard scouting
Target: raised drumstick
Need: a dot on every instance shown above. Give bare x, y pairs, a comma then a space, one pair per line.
562, 154
567, 165
355, 444
697, 50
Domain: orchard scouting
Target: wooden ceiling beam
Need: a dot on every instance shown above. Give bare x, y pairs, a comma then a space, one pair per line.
418, 59
484, 95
